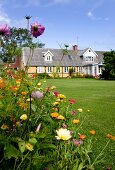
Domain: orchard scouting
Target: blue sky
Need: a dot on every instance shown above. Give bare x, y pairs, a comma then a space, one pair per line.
87, 23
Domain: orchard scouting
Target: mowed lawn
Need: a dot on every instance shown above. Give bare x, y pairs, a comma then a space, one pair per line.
98, 96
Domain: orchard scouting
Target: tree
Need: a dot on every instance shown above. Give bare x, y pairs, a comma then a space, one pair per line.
109, 62
12, 44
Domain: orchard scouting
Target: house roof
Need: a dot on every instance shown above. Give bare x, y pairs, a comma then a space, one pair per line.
72, 58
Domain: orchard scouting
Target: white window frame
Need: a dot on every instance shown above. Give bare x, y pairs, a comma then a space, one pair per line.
40, 69
49, 69
66, 69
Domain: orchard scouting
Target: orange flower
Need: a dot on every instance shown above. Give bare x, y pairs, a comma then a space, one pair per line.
23, 105
1, 81
92, 132
60, 117
23, 92
110, 136
55, 114
14, 88
2, 85
82, 137
76, 121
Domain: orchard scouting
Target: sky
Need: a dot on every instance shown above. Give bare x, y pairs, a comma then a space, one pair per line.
86, 23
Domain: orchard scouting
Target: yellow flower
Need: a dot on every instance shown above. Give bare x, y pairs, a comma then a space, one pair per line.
55, 114
80, 110
92, 132
23, 117
39, 84
61, 96
60, 117
76, 121
28, 100
56, 109
4, 127
29, 146
56, 103
63, 134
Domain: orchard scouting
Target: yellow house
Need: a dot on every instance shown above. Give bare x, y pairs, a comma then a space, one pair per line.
57, 62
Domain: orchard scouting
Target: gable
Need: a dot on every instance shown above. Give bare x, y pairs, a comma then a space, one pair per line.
47, 56
90, 52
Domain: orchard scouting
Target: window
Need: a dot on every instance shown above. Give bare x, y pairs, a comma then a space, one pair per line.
73, 69
48, 58
99, 70
49, 69
40, 69
66, 69
89, 58
80, 69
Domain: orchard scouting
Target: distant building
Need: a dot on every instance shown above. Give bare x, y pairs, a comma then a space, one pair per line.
51, 61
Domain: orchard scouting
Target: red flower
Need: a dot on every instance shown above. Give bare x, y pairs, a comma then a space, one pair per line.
37, 29
56, 93
72, 101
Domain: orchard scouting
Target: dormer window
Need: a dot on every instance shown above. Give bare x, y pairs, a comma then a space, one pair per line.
48, 56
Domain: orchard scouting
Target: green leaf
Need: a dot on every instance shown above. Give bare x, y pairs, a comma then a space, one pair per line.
1, 105
11, 151
75, 165
48, 146
33, 107
33, 141
80, 166
21, 145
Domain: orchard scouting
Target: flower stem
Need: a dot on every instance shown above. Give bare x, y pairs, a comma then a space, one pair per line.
22, 160
100, 153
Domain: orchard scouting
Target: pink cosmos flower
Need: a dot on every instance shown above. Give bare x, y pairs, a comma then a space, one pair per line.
37, 95
77, 142
37, 29
4, 30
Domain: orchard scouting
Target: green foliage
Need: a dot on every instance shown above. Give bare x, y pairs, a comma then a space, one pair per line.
109, 61
11, 44
29, 127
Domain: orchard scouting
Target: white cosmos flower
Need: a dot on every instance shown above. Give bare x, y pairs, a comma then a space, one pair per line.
63, 134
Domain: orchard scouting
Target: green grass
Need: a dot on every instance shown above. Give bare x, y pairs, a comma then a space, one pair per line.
99, 97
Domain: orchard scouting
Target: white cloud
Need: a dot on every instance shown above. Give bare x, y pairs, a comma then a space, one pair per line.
90, 15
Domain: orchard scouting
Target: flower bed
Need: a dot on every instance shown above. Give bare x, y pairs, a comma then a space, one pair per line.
40, 127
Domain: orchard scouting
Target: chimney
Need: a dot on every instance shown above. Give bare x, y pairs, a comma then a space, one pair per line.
75, 48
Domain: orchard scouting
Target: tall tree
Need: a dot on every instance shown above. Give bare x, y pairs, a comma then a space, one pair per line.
109, 61
11, 44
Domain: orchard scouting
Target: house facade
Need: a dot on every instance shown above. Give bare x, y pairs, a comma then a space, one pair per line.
55, 62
